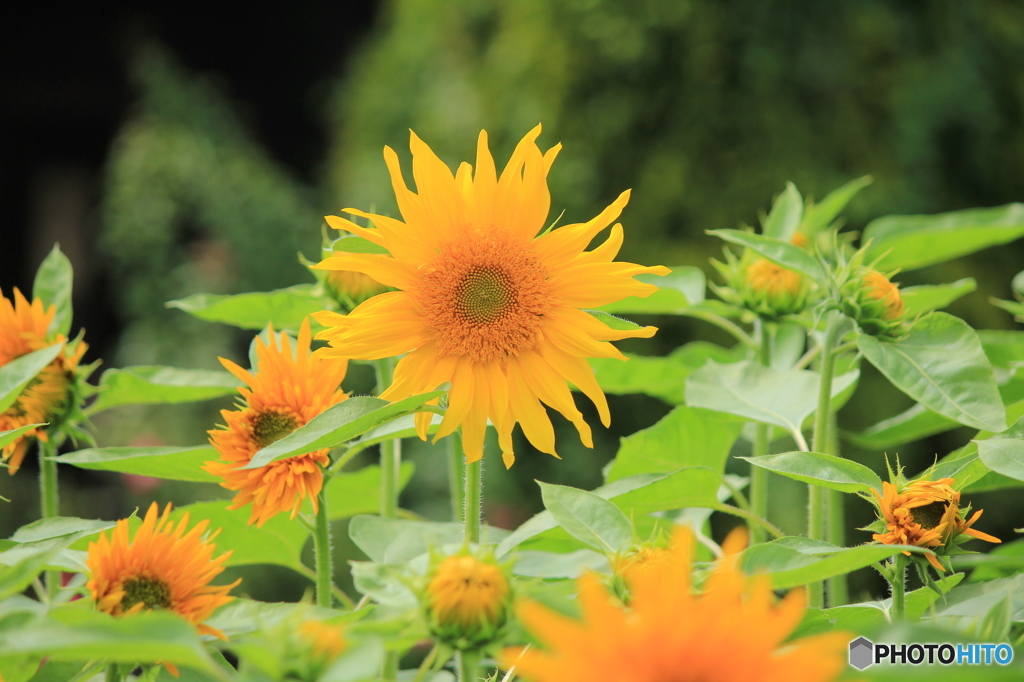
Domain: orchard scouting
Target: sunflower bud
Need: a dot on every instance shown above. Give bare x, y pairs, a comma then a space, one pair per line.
634, 564
315, 646
874, 302
351, 288
467, 601
771, 290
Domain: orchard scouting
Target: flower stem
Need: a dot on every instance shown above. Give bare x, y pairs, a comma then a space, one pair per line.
455, 475
390, 450
468, 663
899, 583
759, 475
112, 673
819, 442
322, 553
838, 590
50, 501
474, 490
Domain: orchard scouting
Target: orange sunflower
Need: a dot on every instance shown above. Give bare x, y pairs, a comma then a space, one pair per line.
482, 301
733, 632
24, 329
924, 514
162, 567
285, 392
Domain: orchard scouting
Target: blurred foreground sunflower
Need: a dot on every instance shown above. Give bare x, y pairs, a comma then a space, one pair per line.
732, 632
24, 329
482, 301
286, 390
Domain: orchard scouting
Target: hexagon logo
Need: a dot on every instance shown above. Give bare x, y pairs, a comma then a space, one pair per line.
861, 653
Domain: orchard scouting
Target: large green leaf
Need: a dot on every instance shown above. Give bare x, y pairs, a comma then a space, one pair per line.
819, 216
1004, 452
351, 243
659, 377
793, 561
909, 242
283, 308
913, 424
941, 365
784, 218
777, 251
587, 517
358, 492
278, 541
14, 578
153, 384
16, 374
927, 297
53, 284
685, 437
821, 469
977, 599
683, 287
396, 541
783, 398
343, 422
178, 464
12, 435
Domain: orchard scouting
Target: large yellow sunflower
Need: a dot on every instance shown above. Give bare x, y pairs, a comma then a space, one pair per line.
924, 514
287, 390
23, 329
482, 301
162, 567
732, 632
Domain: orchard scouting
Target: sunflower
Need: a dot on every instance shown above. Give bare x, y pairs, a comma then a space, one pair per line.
878, 287
925, 514
285, 392
162, 567
325, 642
731, 632
482, 301
467, 600
24, 329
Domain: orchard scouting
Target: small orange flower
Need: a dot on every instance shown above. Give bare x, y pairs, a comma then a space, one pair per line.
326, 641
924, 514
878, 287
733, 632
24, 329
162, 567
285, 392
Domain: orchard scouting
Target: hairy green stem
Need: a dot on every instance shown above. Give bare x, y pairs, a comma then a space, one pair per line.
474, 492
322, 553
468, 663
819, 442
759, 475
899, 584
455, 475
390, 450
50, 502
838, 589
389, 669
112, 674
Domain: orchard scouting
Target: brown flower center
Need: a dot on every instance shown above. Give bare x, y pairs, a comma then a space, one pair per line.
152, 592
930, 515
269, 427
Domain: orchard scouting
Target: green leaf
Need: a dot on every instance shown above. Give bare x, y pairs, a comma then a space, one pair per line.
1015, 308
779, 252
941, 364
783, 398
819, 216
342, 422
927, 297
278, 541
1004, 452
555, 565
396, 541
791, 562
977, 599
685, 437
242, 616
913, 424
78, 634
153, 384
16, 577
53, 284
16, 374
283, 308
613, 322
784, 218
358, 492
683, 287
12, 435
59, 526
177, 464
590, 519
351, 243
659, 377
825, 470
914, 241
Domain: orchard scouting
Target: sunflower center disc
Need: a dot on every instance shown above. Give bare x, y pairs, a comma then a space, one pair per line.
269, 427
929, 515
485, 295
152, 592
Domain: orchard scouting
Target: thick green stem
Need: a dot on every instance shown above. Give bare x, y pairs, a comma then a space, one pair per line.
112, 674
322, 553
759, 475
468, 663
390, 450
50, 501
838, 590
819, 442
389, 670
899, 583
455, 475
474, 491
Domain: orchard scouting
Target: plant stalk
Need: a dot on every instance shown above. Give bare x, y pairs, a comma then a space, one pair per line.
50, 501
819, 442
837, 587
322, 553
473, 495
390, 450
455, 475
899, 584
759, 475
468, 663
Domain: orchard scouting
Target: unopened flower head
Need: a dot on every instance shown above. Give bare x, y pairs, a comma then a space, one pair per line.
23, 329
732, 632
467, 601
772, 290
924, 513
874, 301
351, 288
